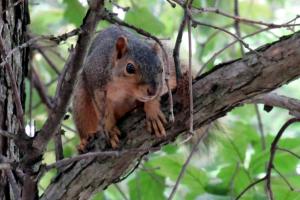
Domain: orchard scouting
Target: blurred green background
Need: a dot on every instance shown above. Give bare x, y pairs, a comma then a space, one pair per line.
233, 156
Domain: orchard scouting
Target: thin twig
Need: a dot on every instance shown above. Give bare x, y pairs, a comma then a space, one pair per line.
48, 60
176, 51
284, 178
56, 39
138, 186
190, 75
272, 154
216, 54
67, 161
8, 135
68, 128
245, 20
186, 163
237, 25
30, 100
56, 53
260, 127
209, 38
59, 152
196, 23
235, 172
125, 9
171, 3
250, 186
121, 191
288, 151
40, 88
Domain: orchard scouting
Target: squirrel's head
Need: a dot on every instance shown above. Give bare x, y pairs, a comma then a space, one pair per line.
137, 66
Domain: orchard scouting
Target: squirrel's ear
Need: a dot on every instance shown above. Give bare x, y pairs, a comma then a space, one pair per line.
121, 46
156, 48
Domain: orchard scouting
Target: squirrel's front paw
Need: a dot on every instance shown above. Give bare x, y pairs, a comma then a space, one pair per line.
113, 134
155, 123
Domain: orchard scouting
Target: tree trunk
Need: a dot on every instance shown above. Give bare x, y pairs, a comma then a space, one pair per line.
13, 21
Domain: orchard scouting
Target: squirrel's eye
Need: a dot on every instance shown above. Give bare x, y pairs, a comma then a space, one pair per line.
130, 68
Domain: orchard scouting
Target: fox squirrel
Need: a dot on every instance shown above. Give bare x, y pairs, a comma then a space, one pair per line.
136, 77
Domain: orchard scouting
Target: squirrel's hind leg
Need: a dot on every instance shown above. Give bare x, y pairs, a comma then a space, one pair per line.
110, 128
85, 116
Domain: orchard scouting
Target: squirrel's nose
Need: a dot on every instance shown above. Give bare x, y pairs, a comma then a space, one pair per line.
151, 91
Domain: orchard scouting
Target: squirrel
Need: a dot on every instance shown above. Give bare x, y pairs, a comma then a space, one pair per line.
136, 77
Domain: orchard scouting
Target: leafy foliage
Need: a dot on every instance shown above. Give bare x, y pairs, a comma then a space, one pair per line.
234, 156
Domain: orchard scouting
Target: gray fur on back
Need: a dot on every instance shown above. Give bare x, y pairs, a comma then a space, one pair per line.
98, 62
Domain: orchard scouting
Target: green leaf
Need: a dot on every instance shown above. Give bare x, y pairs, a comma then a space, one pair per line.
170, 166
99, 196
143, 18
233, 150
147, 186
282, 191
170, 149
233, 178
74, 12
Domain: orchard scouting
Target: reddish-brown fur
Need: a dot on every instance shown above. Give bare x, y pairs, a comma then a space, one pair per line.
123, 91
119, 102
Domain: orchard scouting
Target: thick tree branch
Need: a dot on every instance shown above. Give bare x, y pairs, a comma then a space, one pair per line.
215, 93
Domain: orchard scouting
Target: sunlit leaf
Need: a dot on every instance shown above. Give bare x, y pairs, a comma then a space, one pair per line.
170, 166
74, 12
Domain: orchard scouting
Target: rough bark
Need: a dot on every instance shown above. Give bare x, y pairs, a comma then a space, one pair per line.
13, 21
215, 93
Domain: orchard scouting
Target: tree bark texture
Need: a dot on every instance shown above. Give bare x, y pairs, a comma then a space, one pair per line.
215, 93
13, 22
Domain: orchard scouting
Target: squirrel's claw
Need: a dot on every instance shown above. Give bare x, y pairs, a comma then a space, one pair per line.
156, 124
82, 146
113, 134
155, 119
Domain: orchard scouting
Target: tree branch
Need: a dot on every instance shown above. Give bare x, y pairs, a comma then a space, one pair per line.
215, 93
273, 99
